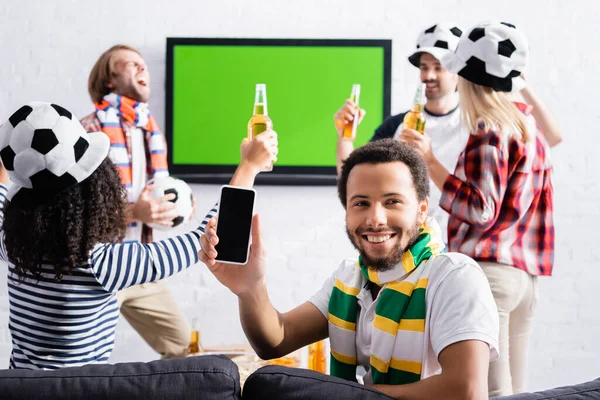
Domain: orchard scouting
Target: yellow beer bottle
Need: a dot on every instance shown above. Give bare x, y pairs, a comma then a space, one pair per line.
316, 357
415, 118
260, 121
350, 129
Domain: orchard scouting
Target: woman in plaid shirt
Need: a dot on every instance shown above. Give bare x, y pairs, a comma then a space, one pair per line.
500, 196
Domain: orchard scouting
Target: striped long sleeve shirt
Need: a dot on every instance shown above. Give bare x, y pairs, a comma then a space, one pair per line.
71, 322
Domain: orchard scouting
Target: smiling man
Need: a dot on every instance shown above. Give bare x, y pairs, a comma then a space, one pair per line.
119, 85
423, 323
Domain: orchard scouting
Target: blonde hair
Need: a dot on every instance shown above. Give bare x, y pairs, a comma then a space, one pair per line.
496, 110
102, 73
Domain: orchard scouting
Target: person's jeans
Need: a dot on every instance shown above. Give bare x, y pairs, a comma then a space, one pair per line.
152, 311
516, 295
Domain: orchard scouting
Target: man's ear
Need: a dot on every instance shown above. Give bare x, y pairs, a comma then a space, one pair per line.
423, 209
109, 85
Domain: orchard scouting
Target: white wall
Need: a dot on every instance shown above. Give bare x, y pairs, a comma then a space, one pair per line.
48, 48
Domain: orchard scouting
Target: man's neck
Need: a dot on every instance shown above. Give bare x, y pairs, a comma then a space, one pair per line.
442, 106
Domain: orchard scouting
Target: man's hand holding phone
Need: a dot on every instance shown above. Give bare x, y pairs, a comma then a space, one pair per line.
239, 279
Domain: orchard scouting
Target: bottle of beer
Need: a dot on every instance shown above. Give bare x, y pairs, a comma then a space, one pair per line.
350, 129
194, 346
260, 121
415, 118
316, 357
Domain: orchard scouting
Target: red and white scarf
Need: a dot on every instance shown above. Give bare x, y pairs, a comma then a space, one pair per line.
109, 112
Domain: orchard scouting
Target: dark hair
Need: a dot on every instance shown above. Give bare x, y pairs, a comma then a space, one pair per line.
60, 229
386, 151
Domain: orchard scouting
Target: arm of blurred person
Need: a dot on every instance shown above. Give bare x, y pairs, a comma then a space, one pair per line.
117, 266
543, 116
463, 377
422, 143
341, 119
272, 334
256, 155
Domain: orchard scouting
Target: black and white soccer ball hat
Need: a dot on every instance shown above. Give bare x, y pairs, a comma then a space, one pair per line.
44, 147
492, 54
438, 40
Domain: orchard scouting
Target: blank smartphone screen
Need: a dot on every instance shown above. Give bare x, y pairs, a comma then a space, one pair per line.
234, 224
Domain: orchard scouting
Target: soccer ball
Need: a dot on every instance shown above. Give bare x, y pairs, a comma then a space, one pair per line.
493, 54
41, 146
444, 35
437, 41
183, 199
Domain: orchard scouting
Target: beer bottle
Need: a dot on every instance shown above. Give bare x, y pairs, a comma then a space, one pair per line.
194, 346
350, 129
415, 118
260, 121
316, 357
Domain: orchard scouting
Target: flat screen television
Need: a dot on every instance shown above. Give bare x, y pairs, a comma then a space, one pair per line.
210, 96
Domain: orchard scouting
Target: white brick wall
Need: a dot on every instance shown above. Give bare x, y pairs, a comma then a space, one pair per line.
48, 48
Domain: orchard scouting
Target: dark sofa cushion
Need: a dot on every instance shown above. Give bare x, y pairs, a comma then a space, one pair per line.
207, 377
283, 383
583, 391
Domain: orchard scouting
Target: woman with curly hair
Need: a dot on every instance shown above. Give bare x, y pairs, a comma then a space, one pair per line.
62, 222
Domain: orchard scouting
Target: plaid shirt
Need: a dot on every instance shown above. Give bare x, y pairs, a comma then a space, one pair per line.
91, 123
500, 201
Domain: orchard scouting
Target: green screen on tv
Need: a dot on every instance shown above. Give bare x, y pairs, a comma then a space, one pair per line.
210, 96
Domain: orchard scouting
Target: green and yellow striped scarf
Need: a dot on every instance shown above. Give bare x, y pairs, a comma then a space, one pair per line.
399, 324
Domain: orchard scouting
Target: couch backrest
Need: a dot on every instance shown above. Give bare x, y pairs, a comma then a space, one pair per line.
583, 391
206, 377
283, 383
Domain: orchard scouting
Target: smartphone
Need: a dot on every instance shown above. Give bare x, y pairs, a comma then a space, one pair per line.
234, 224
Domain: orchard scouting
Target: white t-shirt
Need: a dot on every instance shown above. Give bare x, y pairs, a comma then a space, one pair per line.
459, 302
448, 139
139, 176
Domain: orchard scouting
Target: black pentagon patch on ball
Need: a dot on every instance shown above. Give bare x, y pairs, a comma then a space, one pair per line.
169, 191
44, 140
177, 221
456, 32
442, 44
20, 115
47, 180
476, 34
475, 72
62, 112
8, 158
79, 148
514, 73
430, 30
506, 48
509, 25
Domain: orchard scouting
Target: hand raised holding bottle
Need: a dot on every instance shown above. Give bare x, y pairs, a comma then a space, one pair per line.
261, 152
349, 116
344, 119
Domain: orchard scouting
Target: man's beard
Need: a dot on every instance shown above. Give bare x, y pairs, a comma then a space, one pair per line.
389, 262
130, 91
437, 95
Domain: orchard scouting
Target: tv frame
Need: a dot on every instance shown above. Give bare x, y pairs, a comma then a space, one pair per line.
281, 175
